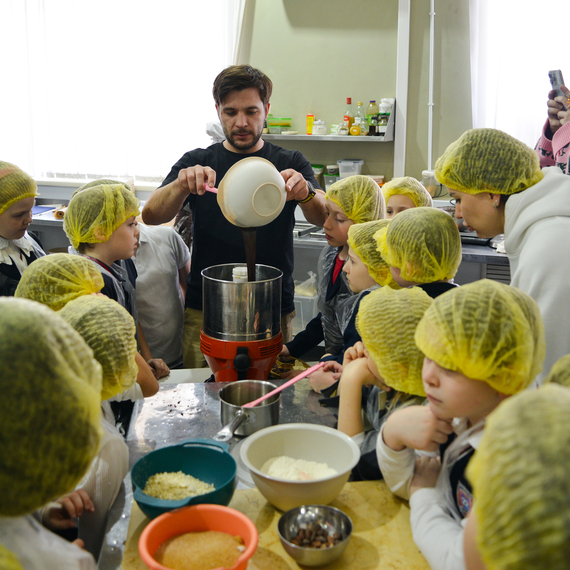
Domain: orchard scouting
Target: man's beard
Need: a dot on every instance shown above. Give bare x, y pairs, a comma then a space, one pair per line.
243, 145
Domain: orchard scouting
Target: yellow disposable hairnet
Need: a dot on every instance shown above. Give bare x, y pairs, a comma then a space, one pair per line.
94, 213
520, 482
560, 372
359, 197
15, 185
56, 279
361, 241
488, 160
488, 331
410, 187
8, 560
109, 330
386, 321
107, 181
424, 243
50, 409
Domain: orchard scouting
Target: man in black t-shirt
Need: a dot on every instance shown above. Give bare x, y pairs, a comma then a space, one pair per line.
241, 94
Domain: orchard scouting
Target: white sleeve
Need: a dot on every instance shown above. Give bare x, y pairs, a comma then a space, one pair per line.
133, 393
397, 467
437, 534
102, 483
181, 252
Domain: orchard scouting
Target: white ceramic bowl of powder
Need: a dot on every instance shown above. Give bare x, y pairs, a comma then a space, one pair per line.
310, 443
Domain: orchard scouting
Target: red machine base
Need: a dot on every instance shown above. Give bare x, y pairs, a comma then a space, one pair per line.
234, 360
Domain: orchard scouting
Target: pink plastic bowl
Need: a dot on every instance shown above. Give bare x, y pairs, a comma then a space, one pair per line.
198, 518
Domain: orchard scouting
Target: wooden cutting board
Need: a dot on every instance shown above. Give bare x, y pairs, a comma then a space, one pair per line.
381, 537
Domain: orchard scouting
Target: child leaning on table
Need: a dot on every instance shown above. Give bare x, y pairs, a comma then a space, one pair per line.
482, 343
352, 200
423, 248
404, 193
50, 420
520, 485
388, 359
365, 270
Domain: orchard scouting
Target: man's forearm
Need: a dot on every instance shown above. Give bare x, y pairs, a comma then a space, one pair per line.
164, 203
314, 210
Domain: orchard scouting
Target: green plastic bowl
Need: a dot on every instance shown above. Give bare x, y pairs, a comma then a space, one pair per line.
205, 459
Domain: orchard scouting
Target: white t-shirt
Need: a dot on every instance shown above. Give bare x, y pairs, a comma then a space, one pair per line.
160, 256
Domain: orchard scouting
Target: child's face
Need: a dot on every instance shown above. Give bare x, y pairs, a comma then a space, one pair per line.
124, 240
379, 381
357, 273
15, 220
453, 395
398, 203
336, 225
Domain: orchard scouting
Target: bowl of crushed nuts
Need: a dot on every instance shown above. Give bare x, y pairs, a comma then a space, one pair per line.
314, 535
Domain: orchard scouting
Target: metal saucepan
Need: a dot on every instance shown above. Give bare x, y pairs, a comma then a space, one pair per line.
239, 421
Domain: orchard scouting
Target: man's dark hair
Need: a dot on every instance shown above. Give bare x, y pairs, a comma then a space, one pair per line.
238, 78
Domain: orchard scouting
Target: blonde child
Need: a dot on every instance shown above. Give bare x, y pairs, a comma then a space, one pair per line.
109, 330
50, 419
404, 193
520, 485
365, 271
482, 343
388, 359
423, 248
17, 247
352, 200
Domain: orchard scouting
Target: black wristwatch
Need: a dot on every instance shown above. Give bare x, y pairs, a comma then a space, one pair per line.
310, 195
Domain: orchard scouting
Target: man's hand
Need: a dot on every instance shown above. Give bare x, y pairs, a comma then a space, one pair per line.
60, 515
425, 474
159, 367
193, 179
295, 185
417, 428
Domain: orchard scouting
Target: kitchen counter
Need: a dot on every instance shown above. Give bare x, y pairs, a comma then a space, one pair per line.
187, 411
381, 537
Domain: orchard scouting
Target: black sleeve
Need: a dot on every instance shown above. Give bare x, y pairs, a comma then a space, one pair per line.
307, 339
367, 468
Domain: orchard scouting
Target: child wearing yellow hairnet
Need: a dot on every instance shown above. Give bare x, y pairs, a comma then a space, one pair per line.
352, 200
423, 248
365, 271
389, 361
482, 343
110, 331
18, 248
50, 420
405, 193
101, 225
520, 485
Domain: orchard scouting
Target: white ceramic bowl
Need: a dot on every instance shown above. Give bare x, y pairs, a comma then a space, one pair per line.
300, 441
252, 193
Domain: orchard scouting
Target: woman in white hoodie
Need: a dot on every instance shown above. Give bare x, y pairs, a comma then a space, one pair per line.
499, 188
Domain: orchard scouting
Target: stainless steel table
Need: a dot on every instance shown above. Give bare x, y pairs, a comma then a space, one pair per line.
187, 411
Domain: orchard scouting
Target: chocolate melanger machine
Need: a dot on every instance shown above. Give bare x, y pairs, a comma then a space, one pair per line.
241, 334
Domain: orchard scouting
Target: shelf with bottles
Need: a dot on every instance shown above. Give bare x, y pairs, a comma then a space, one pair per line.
386, 134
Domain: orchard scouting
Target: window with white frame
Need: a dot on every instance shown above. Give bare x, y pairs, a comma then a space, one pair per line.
115, 88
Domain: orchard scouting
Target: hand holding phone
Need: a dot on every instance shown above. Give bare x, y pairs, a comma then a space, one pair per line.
556, 80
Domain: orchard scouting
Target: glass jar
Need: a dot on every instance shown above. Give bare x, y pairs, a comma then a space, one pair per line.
429, 181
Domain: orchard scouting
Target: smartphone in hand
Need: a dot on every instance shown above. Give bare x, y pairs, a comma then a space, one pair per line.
556, 80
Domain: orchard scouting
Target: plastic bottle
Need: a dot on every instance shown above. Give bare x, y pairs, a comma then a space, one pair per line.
349, 114
360, 118
372, 116
310, 121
